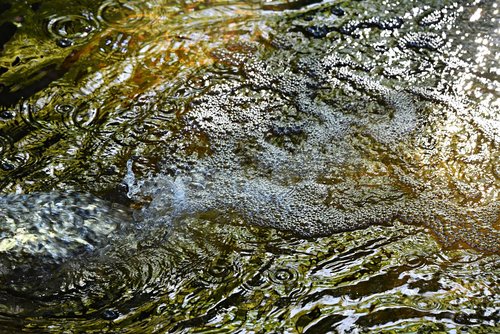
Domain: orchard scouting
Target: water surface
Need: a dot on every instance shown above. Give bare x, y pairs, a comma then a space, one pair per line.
301, 166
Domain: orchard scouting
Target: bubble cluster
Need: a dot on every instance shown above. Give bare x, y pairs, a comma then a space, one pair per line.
437, 18
430, 41
287, 151
281, 158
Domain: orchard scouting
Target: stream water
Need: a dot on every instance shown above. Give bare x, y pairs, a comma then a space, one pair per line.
249, 166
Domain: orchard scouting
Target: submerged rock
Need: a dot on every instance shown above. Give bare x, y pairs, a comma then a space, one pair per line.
43, 230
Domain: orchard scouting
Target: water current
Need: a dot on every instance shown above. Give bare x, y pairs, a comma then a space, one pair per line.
249, 166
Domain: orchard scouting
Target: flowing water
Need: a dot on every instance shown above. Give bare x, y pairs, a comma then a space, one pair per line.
249, 166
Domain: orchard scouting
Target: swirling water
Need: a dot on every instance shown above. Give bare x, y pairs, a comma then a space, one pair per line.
243, 166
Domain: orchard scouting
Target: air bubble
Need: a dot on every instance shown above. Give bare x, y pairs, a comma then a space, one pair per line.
218, 271
337, 11
64, 42
64, 108
221, 270
6, 115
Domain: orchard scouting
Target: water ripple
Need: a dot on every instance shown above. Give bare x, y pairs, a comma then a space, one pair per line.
71, 29
125, 14
365, 108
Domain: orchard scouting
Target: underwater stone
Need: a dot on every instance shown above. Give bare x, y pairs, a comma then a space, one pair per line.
43, 229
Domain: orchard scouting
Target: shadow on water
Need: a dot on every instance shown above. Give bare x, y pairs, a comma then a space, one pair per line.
246, 166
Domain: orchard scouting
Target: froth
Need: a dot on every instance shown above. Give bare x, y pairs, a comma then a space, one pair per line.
314, 148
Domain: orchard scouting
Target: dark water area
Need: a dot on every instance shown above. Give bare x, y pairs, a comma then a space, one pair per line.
249, 167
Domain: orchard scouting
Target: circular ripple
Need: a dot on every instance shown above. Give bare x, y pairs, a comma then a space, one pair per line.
283, 275
117, 13
81, 116
84, 117
31, 115
257, 278
16, 161
430, 302
71, 28
64, 108
414, 261
221, 270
